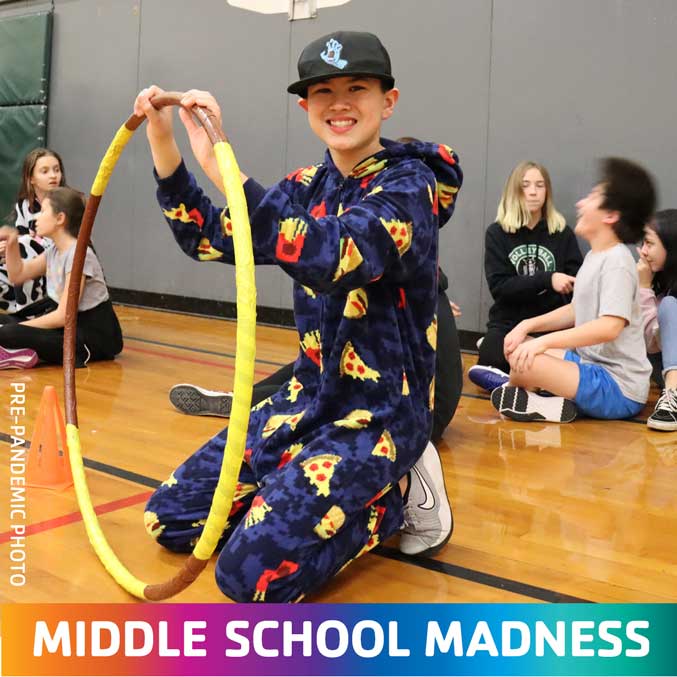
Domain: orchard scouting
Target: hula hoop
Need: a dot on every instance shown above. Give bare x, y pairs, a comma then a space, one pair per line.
244, 361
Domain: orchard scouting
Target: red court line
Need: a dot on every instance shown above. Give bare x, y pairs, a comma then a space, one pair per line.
73, 517
194, 360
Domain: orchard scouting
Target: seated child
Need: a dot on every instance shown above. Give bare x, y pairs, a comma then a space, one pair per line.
657, 270
42, 171
99, 337
530, 259
599, 367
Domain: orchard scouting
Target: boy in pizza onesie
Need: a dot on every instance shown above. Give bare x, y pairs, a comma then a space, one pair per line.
339, 459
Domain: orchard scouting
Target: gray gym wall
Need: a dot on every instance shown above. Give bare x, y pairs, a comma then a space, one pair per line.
561, 82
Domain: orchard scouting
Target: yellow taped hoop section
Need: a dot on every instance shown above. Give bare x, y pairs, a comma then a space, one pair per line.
244, 376
108, 558
245, 353
122, 136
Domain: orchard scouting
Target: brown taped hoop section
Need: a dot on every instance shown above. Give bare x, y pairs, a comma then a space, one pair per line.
192, 568
215, 134
72, 301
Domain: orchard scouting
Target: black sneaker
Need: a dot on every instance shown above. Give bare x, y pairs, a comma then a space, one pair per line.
190, 399
519, 404
664, 416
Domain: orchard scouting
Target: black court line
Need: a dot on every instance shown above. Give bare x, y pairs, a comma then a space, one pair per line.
122, 473
507, 584
198, 350
498, 582
101, 467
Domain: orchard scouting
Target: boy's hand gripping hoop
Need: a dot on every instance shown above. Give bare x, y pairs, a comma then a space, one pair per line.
244, 361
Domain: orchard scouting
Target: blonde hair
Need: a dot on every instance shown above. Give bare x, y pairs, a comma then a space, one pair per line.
512, 208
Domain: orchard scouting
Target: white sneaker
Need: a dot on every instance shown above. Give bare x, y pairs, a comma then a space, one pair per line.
194, 401
428, 520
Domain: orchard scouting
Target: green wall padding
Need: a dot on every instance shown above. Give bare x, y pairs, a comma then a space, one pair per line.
25, 52
25, 48
22, 128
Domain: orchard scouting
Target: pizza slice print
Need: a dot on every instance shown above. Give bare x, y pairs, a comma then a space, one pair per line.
356, 419
356, 304
349, 258
289, 454
385, 447
352, 365
330, 523
319, 470
400, 232
278, 420
257, 512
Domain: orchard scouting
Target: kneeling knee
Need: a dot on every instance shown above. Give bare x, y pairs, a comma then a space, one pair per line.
155, 520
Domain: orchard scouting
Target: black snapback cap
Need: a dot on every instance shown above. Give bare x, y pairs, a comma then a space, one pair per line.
343, 53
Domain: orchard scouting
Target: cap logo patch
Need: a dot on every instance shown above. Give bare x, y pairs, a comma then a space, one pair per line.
332, 55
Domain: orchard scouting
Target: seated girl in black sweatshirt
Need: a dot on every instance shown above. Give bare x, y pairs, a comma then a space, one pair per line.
530, 259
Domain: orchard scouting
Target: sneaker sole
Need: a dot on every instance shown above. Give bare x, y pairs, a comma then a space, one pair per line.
514, 403
17, 362
192, 401
664, 426
435, 549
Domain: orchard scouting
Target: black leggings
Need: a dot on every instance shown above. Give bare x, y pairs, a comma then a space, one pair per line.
448, 371
271, 384
98, 336
491, 349
47, 343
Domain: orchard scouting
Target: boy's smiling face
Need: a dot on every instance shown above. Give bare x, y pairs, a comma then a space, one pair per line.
592, 217
346, 113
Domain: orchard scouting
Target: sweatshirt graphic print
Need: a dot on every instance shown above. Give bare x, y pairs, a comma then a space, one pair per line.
519, 268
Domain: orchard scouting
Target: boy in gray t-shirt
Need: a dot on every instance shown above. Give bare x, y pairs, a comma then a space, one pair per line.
594, 360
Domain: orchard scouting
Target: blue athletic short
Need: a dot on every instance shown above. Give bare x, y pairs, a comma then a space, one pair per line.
598, 395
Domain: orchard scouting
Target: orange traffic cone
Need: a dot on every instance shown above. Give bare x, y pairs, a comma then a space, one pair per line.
48, 466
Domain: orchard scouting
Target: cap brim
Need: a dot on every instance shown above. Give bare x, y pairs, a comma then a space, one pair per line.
301, 86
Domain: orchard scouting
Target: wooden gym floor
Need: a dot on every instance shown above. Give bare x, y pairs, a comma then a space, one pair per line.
544, 512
